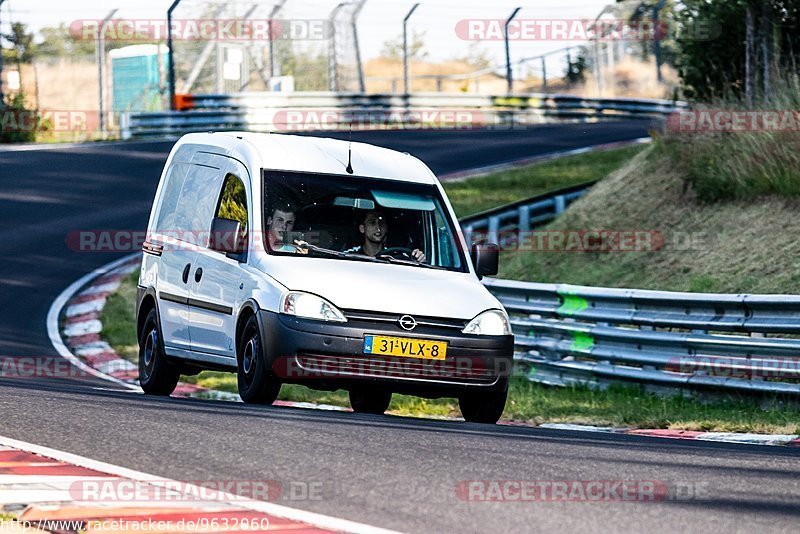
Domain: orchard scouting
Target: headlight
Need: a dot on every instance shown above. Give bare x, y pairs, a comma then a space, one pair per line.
489, 323
310, 306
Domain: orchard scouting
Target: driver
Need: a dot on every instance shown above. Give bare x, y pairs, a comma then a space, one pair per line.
375, 229
280, 225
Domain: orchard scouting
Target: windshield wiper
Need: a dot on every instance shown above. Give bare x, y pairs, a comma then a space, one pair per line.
392, 259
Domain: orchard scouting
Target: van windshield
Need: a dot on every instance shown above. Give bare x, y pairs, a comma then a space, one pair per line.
358, 219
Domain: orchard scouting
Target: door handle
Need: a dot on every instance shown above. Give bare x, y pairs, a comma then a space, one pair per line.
198, 274
186, 273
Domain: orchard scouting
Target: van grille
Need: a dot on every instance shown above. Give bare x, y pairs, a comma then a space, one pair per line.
394, 319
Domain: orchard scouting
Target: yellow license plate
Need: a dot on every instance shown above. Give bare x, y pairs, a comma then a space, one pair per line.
405, 346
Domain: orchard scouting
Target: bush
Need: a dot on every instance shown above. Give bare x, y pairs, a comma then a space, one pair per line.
19, 124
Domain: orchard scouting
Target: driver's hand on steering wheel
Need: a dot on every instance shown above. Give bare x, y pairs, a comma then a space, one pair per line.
418, 255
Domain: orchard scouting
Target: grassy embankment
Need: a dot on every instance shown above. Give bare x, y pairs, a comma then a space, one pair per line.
639, 180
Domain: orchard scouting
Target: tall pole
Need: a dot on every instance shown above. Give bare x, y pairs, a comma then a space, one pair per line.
171, 73
405, 49
333, 68
509, 74
657, 37
101, 68
361, 85
2, 100
277, 7
597, 59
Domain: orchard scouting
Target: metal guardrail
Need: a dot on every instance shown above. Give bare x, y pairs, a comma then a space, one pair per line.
326, 110
497, 224
586, 335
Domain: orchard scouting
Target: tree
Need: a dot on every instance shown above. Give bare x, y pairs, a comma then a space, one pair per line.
748, 43
57, 42
393, 48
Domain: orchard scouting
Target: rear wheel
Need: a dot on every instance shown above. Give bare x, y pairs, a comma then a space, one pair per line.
369, 400
483, 407
257, 384
157, 376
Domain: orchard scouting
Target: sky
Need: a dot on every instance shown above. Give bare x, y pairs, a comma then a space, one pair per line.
380, 19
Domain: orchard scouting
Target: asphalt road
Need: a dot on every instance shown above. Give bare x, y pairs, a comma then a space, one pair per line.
393, 472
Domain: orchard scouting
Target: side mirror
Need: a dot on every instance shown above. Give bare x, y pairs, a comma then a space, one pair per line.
485, 258
226, 236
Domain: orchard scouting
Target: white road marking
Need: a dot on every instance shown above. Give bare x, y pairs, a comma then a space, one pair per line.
278, 510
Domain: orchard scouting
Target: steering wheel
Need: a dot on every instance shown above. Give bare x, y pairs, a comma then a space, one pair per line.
401, 253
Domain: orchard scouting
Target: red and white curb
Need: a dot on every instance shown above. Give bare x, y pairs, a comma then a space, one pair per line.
81, 304
46, 490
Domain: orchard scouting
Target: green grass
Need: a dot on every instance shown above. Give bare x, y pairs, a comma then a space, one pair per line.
493, 190
119, 321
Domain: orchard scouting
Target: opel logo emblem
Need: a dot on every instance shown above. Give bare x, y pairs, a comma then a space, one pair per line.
407, 322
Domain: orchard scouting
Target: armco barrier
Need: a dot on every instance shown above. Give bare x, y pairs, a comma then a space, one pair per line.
587, 335
263, 112
521, 215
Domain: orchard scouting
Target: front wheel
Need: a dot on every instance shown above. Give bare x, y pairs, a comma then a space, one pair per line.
257, 384
369, 400
483, 407
157, 376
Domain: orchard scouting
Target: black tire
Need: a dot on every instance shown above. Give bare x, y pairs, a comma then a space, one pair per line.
369, 400
157, 375
483, 407
257, 384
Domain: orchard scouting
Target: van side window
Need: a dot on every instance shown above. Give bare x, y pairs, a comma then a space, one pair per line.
188, 218
165, 223
233, 201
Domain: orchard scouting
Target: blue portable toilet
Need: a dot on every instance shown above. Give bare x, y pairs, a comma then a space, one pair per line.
137, 76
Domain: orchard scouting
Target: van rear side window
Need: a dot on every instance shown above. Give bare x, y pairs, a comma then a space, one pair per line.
187, 207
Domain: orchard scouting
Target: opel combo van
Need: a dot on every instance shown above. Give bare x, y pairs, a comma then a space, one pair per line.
336, 265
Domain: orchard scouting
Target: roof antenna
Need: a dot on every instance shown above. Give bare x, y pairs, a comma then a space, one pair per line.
349, 168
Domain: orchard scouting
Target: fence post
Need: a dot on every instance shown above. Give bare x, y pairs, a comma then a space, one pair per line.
560, 204
101, 70
544, 74
171, 74
405, 48
509, 77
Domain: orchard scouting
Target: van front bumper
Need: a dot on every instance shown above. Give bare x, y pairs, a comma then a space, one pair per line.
330, 355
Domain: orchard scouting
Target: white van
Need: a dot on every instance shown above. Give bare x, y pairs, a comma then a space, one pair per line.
294, 259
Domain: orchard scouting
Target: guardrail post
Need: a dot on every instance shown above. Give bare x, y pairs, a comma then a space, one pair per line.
524, 218
561, 204
468, 234
494, 229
